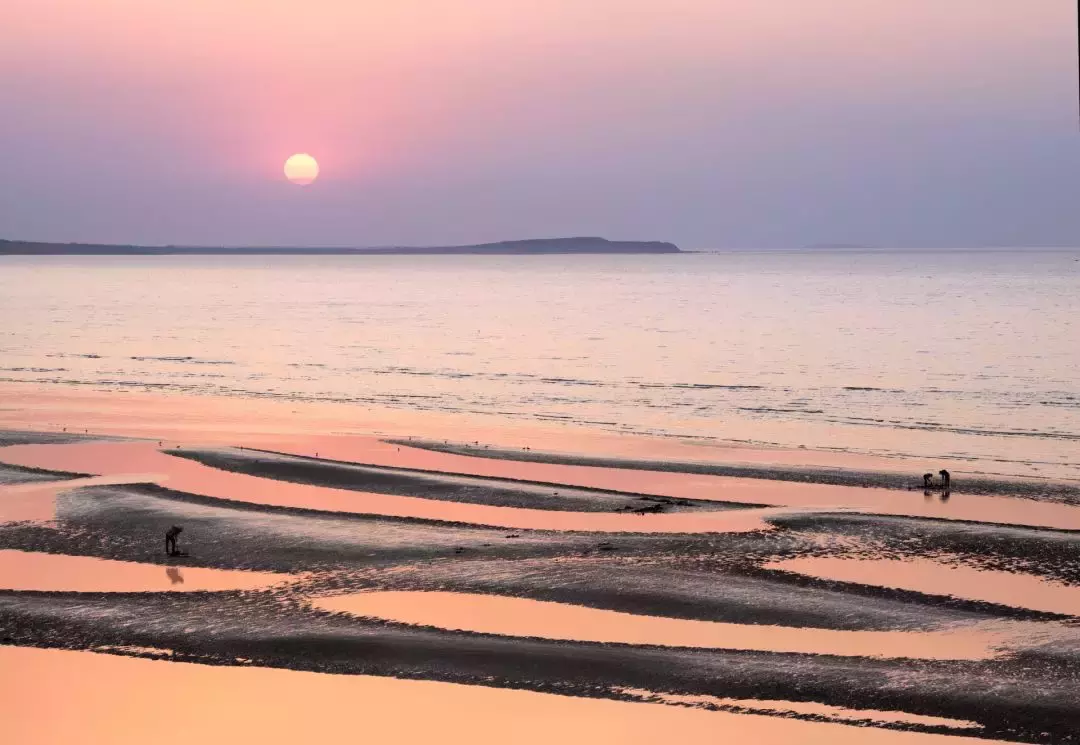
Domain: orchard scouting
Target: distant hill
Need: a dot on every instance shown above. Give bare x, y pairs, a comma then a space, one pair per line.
840, 247
585, 245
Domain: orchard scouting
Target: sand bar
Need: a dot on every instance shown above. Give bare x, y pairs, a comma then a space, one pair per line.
111, 700
492, 614
939, 578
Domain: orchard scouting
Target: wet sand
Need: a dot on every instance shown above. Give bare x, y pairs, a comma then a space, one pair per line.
412, 482
111, 700
491, 614
940, 578
449, 568
112, 458
25, 570
973, 484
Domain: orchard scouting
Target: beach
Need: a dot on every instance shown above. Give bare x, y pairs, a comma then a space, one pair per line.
599, 499
539, 373
590, 586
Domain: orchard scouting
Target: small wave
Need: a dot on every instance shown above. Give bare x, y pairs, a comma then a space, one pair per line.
34, 369
189, 360
772, 410
717, 386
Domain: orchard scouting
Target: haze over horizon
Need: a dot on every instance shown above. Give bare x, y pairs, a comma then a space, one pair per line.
709, 123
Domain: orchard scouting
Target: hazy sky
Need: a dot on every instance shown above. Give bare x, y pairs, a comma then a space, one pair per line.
712, 123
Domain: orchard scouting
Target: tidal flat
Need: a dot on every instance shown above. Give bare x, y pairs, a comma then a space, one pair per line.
335, 565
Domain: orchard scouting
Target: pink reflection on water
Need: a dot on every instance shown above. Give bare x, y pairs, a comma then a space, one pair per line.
818, 497
37, 501
938, 578
110, 700
493, 614
119, 458
27, 570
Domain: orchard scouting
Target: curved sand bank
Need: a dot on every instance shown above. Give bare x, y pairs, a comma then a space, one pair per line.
10, 475
939, 578
1052, 491
507, 616
1008, 701
117, 458
249, 522
451, 487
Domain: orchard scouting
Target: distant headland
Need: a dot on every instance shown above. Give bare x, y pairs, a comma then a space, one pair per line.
534, 246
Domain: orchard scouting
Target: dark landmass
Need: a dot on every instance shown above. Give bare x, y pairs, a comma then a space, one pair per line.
535, 246
1045, 491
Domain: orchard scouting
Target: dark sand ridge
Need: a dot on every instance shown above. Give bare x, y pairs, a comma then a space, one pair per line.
10, 474
512, 616
110, 521
122, 458
32, 437
938, 577
1048, 552
679, 587
13, 474
962, 540
1054, 554
1010, 698
707, 577
787, 497
1053, 491
454, 487
191, 476
373, 548
797, 710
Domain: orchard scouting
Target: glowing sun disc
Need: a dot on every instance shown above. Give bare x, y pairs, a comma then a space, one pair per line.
301, 169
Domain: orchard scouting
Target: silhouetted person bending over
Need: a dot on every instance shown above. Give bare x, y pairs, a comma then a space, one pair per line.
927, 480
170, 540
944, 478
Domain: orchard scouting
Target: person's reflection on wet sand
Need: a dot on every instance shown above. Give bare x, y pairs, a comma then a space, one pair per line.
174, 575
927, 494
945, 495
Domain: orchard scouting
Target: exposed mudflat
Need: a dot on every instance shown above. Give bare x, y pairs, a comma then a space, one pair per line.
33, 437
739, 621
10, 474
1045, 490
409, 482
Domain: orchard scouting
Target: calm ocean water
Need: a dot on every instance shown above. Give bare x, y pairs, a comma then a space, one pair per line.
971, 355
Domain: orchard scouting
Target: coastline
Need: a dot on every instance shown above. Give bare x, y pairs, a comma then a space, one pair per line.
740, 590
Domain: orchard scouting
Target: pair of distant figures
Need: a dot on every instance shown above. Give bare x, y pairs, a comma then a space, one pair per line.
928, 479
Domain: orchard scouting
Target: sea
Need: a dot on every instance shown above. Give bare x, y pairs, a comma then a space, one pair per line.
967, 355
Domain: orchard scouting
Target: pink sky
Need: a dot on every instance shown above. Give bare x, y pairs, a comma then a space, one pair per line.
440, 121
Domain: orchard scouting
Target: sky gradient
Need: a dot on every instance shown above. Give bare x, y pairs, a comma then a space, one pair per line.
711, 123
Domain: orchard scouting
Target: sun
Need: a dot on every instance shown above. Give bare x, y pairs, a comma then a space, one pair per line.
301, 169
